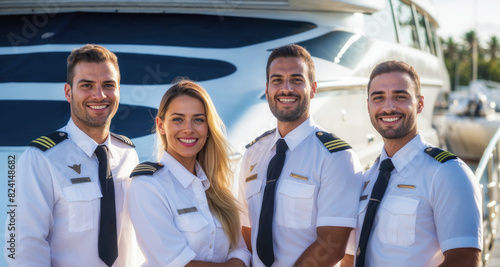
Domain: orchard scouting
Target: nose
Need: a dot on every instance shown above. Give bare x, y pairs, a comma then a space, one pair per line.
287, 86
188, 127
389, 105
98, 93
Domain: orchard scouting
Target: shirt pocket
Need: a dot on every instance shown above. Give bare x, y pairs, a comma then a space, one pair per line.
397, 218
83, 208
294, 205
190, 222
252, 192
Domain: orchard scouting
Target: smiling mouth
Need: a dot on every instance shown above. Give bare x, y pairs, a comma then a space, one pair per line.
188, 140
391, 119
287, 100
98, 107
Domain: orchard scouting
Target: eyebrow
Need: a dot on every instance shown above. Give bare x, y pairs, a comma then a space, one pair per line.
293, 75
90, 81
395, 92
183, 115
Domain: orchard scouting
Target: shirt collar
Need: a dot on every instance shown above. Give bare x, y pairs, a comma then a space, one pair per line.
406, 153
297, 135
83, 141
182, 174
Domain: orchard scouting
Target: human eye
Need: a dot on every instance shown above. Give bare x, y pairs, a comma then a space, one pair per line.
110, 86
86, 85
276, 80
177, 119
199, 120
297, 80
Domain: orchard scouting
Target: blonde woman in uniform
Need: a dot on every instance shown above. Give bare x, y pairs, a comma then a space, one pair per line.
182, 208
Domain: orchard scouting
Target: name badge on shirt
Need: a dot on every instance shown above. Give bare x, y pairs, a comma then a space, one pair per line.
408, 186
299, 176
250, 178
80, 180
187, 210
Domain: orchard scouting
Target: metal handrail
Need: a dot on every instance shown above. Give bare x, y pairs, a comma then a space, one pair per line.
487, 154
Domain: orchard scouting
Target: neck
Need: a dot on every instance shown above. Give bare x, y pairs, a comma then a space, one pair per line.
98, 134
286, 127
392, 146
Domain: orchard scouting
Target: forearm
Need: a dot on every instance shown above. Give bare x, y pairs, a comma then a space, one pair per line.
461, 257
347, 261
230, 263
328, 249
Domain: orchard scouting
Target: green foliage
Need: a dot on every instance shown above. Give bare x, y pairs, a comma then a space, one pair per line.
458, 59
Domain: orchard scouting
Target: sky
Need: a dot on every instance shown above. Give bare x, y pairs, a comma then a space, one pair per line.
457, 17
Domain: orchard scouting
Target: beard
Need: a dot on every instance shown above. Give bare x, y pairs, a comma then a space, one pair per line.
394, 133
289, 115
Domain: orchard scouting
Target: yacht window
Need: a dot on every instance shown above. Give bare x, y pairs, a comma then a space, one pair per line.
380, 25
407, 28
422, 33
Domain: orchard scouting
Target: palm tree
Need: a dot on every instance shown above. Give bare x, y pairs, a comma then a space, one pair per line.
493, 48
472, 41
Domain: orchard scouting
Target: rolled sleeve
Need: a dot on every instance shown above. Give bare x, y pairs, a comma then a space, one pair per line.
159, 239
457, 210
341, 186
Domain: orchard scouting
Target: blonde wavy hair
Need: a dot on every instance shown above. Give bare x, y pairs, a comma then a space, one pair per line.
213, 157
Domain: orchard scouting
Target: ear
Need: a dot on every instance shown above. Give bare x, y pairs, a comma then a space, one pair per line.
267, 92
67, 92
159, 126
420, 104
314, 89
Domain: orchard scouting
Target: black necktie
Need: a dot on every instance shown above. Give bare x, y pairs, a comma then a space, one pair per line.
108, 241
265, 235
378, 192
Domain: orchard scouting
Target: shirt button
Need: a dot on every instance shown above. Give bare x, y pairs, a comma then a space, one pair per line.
212, 232
210, 246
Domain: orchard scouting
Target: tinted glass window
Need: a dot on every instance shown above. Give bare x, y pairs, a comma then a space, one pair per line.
407, 27
425, 43
381, 25
185, 30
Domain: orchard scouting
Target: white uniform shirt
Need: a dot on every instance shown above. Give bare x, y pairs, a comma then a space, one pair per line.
429, 207
58, 221
173, 222
316, 188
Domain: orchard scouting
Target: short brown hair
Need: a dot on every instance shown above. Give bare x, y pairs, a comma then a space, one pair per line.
396, 66
89, 53
292, 50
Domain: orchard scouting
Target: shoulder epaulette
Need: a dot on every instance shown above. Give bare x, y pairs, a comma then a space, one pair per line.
123, 138
261, 136
331, 142
146, 168
48, 141
439, 154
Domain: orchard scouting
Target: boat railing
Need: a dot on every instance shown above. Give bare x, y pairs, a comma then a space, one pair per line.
488, 172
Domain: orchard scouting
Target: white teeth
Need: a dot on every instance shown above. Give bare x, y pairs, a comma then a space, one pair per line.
98, 107
188, 141
287, 100
390, 119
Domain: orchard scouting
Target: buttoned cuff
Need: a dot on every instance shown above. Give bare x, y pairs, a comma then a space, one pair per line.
242, 254
462, 242
183, 259
336, 221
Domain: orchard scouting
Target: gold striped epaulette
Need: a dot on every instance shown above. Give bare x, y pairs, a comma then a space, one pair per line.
331, 142
146, 168
439, 154
49, 141
123, 138
261, 136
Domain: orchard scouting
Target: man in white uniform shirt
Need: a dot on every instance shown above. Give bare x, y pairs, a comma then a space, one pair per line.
430, 213
59, 188
307, 215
